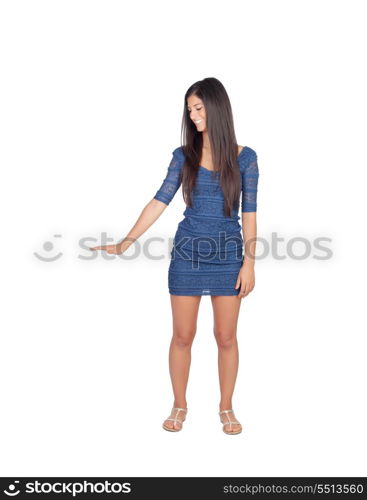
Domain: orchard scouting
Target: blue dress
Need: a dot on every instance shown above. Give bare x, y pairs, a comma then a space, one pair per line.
207, 251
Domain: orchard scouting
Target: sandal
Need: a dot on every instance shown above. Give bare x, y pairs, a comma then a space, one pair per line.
230, 422
175, 420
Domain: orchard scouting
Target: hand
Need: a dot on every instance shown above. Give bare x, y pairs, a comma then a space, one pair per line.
115, 249
246, 279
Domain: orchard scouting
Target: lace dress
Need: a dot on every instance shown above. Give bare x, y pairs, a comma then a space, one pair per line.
207, 251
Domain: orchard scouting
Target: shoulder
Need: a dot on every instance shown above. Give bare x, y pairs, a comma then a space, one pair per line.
178, 152
179, 155
247, 156
178, 158
248, 152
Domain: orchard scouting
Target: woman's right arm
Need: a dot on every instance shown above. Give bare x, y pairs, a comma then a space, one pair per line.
153, 210
150, 213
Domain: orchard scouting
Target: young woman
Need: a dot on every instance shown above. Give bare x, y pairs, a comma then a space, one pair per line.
207, 257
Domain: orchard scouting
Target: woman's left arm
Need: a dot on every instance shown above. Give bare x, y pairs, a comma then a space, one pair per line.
246, 276
250, 178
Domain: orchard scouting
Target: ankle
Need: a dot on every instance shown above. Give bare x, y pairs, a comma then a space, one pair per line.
225, 406
180, 404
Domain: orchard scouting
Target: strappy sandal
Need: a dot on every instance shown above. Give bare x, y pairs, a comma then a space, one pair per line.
175, 420
230, 422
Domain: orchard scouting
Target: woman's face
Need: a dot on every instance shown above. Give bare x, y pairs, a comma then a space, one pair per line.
195, 107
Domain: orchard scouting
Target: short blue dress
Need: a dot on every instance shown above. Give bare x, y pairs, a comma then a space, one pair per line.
207, 251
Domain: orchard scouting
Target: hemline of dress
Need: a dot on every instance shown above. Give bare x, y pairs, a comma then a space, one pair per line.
212, 292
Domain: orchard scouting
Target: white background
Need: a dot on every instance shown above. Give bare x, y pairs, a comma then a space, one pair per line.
91, 106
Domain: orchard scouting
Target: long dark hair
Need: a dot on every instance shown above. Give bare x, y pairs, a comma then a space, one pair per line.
223, 144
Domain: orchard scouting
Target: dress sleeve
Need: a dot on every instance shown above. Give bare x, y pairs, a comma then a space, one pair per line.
250, 176
173, 178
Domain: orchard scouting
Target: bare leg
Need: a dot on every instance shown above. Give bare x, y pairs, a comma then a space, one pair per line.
226, 310
184, 316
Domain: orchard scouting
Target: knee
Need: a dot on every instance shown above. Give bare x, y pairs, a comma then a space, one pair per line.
184, 338
225, 339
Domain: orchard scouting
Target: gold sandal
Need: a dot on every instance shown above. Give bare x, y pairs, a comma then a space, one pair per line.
175, 420
230, 422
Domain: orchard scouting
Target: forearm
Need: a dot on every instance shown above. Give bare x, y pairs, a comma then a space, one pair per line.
249, 231
150, 213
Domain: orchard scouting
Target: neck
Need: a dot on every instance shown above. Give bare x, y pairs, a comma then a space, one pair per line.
206, 142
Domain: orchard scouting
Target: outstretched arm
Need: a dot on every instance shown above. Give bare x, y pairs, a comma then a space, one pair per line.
152, 211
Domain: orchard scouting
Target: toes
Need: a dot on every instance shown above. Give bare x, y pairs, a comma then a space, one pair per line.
172, 425
232, 428
235, 428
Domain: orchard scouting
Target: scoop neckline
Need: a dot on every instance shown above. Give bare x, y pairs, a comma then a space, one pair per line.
244, 147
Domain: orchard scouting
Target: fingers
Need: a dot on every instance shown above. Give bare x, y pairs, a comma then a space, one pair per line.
246, 284
111, 249
98, 248
249, 289
245, 289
